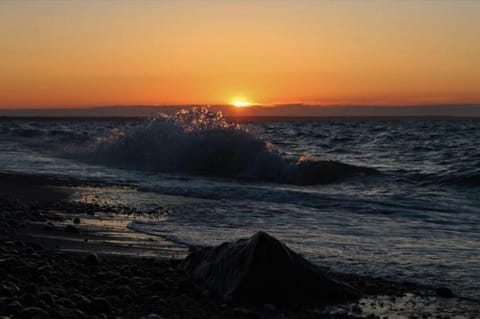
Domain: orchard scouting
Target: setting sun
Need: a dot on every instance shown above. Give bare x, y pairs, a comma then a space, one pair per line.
241, 103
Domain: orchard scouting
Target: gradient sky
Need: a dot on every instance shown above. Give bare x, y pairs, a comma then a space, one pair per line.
87, 53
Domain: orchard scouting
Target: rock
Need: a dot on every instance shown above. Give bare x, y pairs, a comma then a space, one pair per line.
79, 314
356, 309
73, 283
269, 309
246, 313
30, 288
47, 298
121, 281
35, 246
13, 307
100, 305
71, 229
444, 292
49, 226
64, 313
34, 312
9, 263
81, 301
262, 270
67, 303
9, 289
123, 291
28, 299
76, 220
92, 260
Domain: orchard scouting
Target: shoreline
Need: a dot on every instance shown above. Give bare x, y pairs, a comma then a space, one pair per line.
39, 227
82, 225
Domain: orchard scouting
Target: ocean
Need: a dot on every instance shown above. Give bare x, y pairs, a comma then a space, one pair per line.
395, 198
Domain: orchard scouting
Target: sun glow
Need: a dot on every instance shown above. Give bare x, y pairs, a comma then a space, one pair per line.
241, 103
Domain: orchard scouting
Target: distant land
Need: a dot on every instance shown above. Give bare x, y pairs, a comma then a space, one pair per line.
291, 110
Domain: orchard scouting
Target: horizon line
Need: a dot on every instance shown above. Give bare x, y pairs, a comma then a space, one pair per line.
27, 108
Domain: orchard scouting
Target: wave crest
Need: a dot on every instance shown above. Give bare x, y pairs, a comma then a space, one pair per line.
202, 142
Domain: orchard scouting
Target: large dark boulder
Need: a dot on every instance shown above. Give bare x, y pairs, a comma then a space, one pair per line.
262, 270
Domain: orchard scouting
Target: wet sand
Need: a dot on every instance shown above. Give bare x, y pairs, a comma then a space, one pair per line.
66, 258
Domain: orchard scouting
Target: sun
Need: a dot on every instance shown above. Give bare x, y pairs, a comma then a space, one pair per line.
241, 103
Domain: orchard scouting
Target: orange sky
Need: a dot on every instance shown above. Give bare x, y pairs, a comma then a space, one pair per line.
87, 53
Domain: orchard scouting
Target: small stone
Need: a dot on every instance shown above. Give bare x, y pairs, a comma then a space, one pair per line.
65, 302
30, 288
13, 307
79, 314
92, 260
34, 312
444, 292
47, 298
81, 301
9, 289
63, 312
74, 282
269, 308
71, 229
124, 291
356, 309
246, 313
100, 305
122, 281
35, 246
28, 299
49, 226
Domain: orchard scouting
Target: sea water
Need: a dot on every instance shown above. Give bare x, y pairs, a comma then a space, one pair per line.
394, 198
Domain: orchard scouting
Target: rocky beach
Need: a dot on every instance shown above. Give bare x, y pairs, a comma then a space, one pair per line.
61, 258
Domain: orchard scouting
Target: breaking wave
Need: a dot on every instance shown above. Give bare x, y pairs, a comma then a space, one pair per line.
202, 142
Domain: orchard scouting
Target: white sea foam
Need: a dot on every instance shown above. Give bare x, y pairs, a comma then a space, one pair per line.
203, 142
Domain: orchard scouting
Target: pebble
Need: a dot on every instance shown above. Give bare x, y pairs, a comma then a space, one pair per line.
71, 229
246, 313
64, 312
31, 288
65, 302
34, 312
47, 298
444, 292
92, 260
28, 299
49, 226
100, 305
13, 307
81, 301
269, 308
356, 309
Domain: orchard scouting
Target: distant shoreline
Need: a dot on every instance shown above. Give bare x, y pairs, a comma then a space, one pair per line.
280, 111
247, 118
